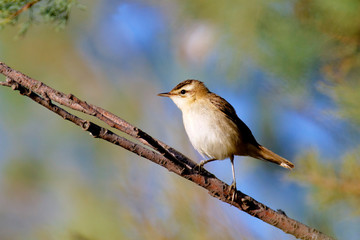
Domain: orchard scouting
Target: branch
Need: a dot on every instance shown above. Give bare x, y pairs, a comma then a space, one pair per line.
159, 152
18, 12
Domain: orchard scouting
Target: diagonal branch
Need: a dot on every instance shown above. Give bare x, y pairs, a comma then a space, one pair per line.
18, 12
159, 152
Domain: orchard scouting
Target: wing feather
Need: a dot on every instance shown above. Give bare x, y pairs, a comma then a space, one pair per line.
230, 113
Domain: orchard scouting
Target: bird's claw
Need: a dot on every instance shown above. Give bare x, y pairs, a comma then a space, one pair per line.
232, 188
200, 165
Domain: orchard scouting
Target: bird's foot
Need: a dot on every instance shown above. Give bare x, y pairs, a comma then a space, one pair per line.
200, 166
202, 163
232, 188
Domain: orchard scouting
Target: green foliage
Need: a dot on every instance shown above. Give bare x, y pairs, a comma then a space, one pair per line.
331, 182
27, 12
289, 40
58, 11
347, 96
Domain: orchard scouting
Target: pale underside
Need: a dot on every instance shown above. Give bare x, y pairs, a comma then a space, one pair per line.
211, 133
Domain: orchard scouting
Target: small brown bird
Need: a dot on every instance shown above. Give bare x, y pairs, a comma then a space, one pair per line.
213, 127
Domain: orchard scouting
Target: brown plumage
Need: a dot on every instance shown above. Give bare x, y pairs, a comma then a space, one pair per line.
214, 128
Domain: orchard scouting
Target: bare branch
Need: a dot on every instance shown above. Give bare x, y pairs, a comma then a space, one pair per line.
161, 154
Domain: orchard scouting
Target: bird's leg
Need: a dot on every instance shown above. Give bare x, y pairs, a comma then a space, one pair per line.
233, 184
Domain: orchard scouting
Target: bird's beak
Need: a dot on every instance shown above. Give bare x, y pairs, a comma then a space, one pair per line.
164, 94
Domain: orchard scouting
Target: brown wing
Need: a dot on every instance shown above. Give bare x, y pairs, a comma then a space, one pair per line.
230, 113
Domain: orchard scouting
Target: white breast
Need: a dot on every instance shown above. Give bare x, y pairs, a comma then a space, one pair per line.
210, 132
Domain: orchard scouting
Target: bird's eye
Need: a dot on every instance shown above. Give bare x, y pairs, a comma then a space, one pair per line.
182, 91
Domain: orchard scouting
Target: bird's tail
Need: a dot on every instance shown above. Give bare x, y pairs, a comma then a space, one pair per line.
265, 154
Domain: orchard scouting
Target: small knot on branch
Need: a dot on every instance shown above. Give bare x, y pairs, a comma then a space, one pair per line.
248, 204
22, 90
92, 128
85, 125
47, 98
281, 212
10, 83
73, 98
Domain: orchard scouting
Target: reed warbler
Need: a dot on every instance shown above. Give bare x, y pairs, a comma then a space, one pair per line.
214, 129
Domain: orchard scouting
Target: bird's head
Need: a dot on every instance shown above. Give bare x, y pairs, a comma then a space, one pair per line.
186, 93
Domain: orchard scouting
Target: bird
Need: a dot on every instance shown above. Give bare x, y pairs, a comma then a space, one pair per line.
214, 129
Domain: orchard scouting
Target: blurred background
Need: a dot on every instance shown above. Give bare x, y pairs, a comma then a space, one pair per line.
289, 68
